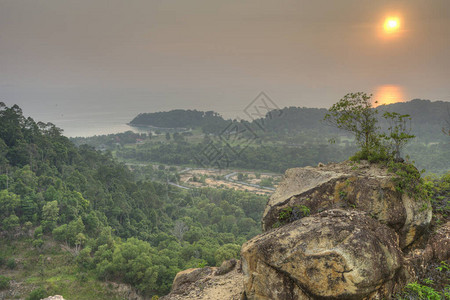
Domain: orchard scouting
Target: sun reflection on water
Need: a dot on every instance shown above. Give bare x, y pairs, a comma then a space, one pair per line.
388, 94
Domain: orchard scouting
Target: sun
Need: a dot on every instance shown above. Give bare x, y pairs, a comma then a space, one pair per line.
391, 24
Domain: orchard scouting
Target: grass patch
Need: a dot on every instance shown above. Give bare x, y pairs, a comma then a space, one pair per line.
50, 271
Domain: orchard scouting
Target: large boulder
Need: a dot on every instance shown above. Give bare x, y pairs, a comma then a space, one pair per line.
209, 283
361, 186
334, 254
189, 276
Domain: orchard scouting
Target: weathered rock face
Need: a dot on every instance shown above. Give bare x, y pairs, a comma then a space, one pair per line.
335, 254
349, 185
209, 283
350, 247
437, 248
187, 277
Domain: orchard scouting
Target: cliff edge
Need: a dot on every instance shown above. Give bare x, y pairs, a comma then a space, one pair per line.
340, 231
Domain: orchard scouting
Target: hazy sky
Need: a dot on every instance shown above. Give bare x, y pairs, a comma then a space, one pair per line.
65, 56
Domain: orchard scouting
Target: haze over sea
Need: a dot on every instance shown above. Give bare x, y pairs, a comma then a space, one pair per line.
92, 123
78, 121
89, 117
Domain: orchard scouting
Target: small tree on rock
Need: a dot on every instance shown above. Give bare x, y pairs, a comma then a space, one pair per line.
399, 133
354, 113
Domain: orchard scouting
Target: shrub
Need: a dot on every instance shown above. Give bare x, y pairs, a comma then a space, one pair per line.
4, 282
11, 263
422, 291
226, 252
290, 214
408, 179
37, 294
37, 243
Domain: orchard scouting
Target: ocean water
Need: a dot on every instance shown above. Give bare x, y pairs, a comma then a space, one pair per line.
84, 124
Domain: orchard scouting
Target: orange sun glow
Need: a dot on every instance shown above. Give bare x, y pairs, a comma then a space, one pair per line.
391, 25
388, 94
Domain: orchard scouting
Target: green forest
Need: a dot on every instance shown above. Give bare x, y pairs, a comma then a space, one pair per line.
116, 228
76, 219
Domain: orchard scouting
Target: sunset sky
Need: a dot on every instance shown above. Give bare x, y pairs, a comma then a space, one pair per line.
62, 56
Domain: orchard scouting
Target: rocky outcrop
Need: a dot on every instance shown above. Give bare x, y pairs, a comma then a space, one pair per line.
438, 245
338, 231
226, 266
360, 186
187, 277
437, 248
334, 254
209, 283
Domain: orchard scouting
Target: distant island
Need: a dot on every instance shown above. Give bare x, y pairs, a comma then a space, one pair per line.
424, 113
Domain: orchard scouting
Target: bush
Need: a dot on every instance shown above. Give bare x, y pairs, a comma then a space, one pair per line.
377, 154
291, 214
37, 294
422, 291
37, 243
11, 263
4, 282
408, 179
438, 188
84, 259
226, 252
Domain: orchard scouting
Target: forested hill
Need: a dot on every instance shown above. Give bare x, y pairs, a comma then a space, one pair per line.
427, 116
116, 228
177, 118
421, 111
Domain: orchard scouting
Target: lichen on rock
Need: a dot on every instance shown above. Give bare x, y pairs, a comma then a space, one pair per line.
336, 254
338, 231
347, 185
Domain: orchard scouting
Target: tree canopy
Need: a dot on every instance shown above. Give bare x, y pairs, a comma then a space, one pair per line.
133, 231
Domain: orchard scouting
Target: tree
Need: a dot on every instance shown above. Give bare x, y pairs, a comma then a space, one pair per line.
446, 127
179, 230
80, 240
38, 234
354, 113
11, 223
398, 136
9, 203
60, 233
50, 213
74, 228
84, 259
226, 252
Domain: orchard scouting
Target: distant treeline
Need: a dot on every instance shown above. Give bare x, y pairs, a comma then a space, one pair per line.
178, 118
427, 118
256, 157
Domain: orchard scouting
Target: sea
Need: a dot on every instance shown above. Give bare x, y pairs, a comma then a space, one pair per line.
90, 123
